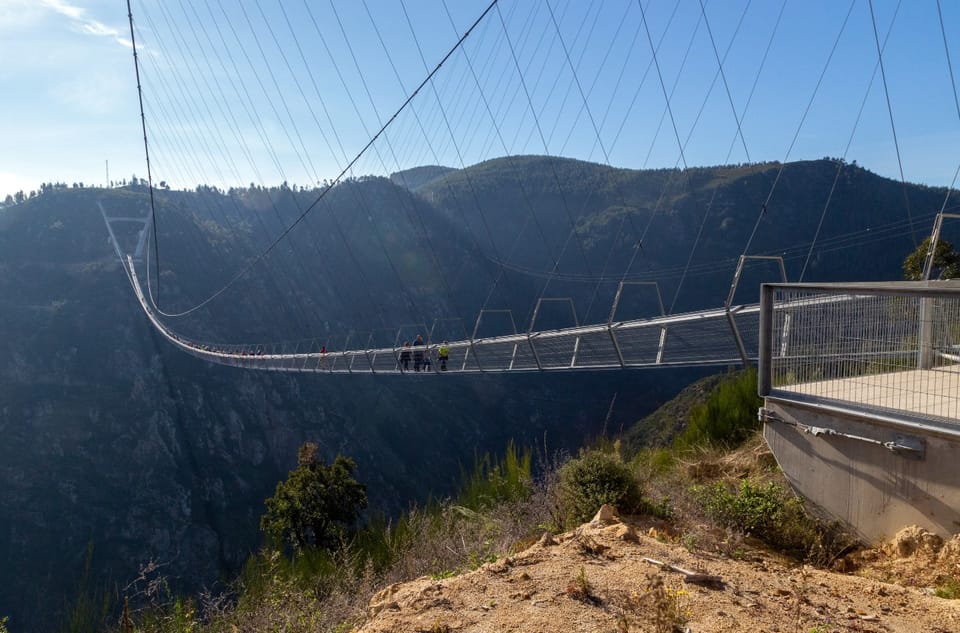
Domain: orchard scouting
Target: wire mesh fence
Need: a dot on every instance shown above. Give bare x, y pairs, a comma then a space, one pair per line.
889, 348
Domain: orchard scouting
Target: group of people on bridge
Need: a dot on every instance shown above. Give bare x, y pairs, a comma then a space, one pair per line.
421, 355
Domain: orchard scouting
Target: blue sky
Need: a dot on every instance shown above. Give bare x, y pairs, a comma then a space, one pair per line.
238, 91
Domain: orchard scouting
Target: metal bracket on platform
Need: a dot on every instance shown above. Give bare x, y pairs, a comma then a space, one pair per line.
907, 446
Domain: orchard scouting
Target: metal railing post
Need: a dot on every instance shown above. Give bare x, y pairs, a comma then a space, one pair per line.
925, 342
765, 361
616, 345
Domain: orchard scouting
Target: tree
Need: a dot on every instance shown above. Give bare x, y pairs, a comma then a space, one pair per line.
945, 260
317, 505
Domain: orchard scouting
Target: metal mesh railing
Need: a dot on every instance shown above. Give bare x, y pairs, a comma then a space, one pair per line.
889, 348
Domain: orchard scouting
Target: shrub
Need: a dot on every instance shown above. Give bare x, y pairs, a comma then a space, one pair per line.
592, 480
773, 514
727, 418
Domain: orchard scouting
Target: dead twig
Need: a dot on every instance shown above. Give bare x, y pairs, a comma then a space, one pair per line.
691, 577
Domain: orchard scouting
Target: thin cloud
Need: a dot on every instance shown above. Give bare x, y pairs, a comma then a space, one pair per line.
83, 24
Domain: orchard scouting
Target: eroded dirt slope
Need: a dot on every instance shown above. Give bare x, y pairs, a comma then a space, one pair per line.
600, 577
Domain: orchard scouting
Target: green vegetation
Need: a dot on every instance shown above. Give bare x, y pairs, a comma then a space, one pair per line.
727, 418
493, 482
593, 479
90, 610
326, 582
949, 589
316, 505
772, 513
946, 261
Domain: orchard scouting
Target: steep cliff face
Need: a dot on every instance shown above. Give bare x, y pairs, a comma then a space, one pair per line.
112, 438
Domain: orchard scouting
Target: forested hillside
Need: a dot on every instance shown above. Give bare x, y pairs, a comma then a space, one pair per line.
113, 439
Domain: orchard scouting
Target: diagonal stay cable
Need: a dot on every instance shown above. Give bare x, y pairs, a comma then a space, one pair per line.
893, 127
796, 134
935, 234
342, 173
846, 151
553, 167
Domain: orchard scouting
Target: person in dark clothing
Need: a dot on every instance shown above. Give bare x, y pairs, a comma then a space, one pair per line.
405, 357
418, 353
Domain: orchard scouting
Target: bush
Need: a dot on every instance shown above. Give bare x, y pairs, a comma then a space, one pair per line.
727, 418
596, 478
773, 514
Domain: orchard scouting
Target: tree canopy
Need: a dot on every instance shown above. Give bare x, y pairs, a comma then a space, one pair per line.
946, 260
317, 504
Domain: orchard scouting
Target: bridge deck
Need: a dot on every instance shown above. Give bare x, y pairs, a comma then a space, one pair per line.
927, 393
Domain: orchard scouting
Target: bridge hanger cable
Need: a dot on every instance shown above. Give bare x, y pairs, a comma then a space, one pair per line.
681, 145
343, 171
416, 217
449, 129
573, 67
596, 131
254, 117
546, 150
796, 135
893, 127
946, 52
938, 223
355, 191
739, 132
596, 78
257, 125
723, 76
547, 56
531, 215
638, 246
219, 140
846, 150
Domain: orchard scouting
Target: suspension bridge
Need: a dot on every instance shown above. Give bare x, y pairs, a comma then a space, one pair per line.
869, 370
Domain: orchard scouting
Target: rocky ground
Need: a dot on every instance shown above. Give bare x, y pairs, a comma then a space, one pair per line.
621, 575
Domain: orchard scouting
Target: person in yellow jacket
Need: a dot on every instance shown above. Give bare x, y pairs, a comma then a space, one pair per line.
442, 355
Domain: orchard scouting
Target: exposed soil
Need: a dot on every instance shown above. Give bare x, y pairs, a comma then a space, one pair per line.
598, 578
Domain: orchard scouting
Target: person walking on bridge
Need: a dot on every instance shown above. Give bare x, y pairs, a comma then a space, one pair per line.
443, 354
418, 353
405, 357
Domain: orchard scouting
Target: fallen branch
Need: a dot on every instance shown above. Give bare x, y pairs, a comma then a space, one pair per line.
692, 577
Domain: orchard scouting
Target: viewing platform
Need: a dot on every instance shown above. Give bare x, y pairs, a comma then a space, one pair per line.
861, 388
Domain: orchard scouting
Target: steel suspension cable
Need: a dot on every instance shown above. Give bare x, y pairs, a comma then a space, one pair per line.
846, 150
546, 150
796, 135
342, 172
893, 127
146, 149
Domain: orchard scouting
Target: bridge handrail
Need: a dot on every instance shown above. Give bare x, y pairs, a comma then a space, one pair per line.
887, 347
